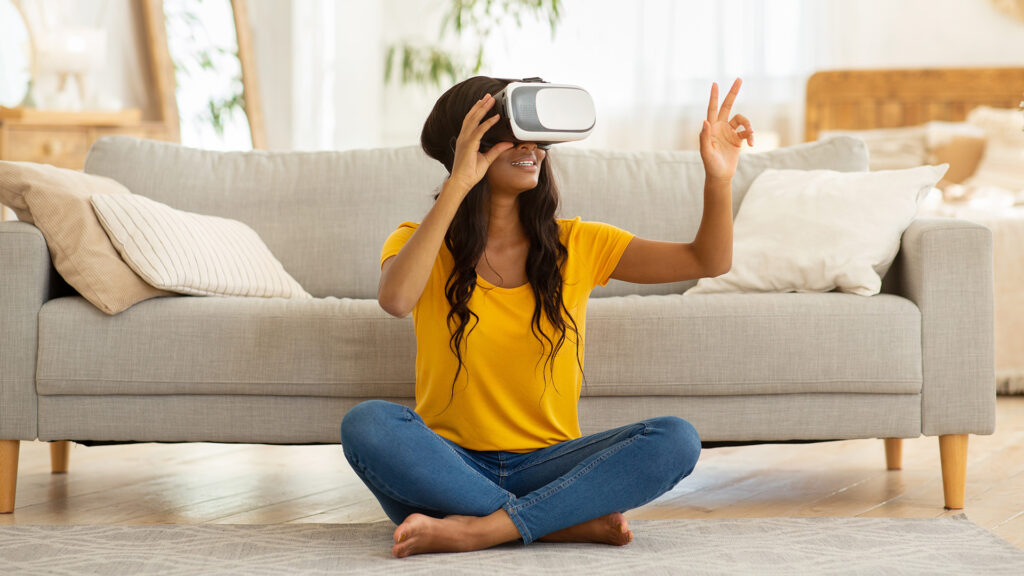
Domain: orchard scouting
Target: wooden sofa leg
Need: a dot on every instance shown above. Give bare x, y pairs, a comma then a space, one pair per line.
60, 451
8, 474
953, 452
894, 453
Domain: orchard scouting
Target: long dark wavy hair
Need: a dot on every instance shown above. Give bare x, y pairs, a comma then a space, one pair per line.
466, 237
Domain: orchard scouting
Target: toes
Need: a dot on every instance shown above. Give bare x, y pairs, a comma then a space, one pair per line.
402, 550
407, 529
620, 522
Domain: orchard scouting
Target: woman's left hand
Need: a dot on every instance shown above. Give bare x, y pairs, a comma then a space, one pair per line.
721, 137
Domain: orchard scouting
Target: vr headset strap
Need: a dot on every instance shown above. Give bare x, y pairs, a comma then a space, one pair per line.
533, 79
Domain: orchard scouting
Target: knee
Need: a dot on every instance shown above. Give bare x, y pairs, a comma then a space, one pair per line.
681, 443
366, 421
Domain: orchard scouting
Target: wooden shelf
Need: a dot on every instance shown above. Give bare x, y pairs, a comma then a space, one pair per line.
126, 117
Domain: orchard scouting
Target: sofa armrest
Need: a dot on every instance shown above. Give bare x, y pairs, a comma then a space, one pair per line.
945, 267
27, 280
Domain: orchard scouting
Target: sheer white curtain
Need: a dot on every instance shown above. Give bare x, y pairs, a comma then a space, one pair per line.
649, 64
336, 74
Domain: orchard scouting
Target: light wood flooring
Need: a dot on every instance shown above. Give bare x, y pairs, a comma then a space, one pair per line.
254, 484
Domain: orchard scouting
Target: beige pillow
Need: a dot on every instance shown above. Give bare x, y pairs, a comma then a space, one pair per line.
57, 202
192, 253
959, 144
962, 153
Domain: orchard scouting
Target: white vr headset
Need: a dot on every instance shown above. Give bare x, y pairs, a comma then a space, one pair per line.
537, 111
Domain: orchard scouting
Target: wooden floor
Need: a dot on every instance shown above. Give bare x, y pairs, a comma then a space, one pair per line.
253, 484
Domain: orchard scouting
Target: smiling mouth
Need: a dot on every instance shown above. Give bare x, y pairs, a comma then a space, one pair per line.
521, 163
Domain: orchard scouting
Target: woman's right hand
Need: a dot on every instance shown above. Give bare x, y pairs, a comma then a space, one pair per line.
470, 165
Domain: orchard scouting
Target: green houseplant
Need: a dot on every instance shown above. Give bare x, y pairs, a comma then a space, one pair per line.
476, 20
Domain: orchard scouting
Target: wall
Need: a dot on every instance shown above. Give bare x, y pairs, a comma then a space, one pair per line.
919, 34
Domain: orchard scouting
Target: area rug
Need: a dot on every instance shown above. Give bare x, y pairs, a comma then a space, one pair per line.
952, 545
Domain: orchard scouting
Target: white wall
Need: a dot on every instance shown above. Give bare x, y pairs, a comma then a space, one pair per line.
920, 34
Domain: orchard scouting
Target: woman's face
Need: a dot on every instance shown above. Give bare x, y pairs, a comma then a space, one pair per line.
516, 169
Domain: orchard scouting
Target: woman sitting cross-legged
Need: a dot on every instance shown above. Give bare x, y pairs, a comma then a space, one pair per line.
498, 289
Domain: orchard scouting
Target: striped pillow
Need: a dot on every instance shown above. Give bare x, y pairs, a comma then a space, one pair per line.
191, 253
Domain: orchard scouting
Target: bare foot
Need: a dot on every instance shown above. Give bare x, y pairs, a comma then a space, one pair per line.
611, 529
420, 534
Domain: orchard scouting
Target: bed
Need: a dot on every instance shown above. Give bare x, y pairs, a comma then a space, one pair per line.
869, 99
883, 99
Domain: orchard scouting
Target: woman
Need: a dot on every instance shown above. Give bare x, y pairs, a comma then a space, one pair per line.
498, 289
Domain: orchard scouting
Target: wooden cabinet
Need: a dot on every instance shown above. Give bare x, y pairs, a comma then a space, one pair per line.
63, 138
61, 147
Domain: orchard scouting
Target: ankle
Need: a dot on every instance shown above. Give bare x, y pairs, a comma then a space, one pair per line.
491, 530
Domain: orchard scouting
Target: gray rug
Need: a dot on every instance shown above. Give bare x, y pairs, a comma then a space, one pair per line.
787, 546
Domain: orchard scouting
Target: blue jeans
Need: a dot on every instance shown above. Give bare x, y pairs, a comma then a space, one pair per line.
410, 468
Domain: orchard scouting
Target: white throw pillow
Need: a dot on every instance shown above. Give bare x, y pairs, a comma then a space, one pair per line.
190, 253
1002, 164
819, 230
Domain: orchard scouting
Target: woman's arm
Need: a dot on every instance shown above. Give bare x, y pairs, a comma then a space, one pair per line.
710, 253
404, 275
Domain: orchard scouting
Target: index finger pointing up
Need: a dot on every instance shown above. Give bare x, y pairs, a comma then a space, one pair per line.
723, 114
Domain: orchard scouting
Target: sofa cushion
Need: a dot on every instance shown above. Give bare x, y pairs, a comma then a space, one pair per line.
741, 344
325, 215
263, 346
671, 345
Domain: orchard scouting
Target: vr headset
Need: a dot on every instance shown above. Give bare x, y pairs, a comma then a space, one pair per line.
533, 110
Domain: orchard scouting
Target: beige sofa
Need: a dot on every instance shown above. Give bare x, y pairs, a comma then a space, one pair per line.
916, 359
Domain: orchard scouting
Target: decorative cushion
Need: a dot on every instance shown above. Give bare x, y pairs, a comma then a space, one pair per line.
959, 144
1002, 165
890, 148
819, 230
190, 253
56, 201
962, 153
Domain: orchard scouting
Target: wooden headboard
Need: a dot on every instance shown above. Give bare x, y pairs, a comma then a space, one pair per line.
867, 99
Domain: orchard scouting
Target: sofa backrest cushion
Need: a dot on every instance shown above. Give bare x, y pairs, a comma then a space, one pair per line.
325, 215
660, 195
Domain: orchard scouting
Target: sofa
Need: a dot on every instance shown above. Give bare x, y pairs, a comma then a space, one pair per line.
916, 359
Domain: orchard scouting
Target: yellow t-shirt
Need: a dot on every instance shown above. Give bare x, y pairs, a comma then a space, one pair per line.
501, 400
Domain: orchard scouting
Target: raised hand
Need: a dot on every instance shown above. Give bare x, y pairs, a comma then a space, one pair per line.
470, 165
721, 137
